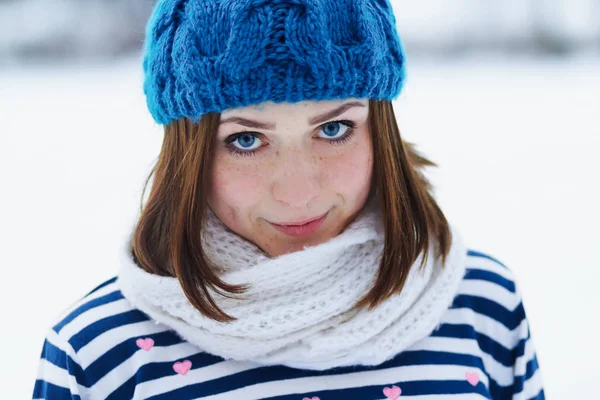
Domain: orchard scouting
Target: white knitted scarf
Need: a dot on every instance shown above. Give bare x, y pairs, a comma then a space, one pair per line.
298, 310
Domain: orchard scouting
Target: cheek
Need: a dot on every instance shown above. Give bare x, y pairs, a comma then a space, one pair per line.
235, 188
350, 175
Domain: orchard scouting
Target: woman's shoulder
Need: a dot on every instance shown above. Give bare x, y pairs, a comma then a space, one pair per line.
99, 321
488, 269
487, 323
489, 293
102, 342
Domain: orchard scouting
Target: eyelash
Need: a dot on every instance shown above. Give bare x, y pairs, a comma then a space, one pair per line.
336, 142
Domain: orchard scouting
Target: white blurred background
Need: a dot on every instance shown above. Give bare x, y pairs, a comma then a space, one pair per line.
503, 95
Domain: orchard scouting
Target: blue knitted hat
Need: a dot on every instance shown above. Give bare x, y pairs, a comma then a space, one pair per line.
211, 55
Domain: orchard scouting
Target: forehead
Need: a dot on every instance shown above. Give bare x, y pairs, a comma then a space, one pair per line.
270, 108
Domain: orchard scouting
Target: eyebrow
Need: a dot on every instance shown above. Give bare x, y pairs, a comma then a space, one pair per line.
313, 121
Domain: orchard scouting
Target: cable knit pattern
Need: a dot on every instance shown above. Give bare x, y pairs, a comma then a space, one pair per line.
298, 309
211, 55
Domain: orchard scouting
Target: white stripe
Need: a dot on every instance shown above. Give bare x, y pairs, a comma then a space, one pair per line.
57, 341
89, 317
486, 325
197, 375
485, 264
521, 362
490, 290
128, 368
381, 377
109, 339
531, 387
52, 374
53, 338
502, 374
101, 292
458, 396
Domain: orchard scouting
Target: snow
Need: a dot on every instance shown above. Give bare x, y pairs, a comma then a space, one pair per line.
96, 29
516, 140
91, 29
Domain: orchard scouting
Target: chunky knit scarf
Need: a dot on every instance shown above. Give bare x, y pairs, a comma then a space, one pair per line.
298, 311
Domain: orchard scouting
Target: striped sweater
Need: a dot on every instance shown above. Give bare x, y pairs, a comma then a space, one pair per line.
103, 348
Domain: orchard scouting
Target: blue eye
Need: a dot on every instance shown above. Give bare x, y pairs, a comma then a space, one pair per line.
245, 140
331, 129
337, 133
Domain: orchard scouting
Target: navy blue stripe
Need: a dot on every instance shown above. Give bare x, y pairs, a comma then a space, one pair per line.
500, 392
156, 370
108, 282
530, 369
54, 355
488, 345
507, 392
107, 298
45, 390
475, 253
159, 369
61, 359
410, 388
269, 374
92, 331
489, 276
125, 391
487, 307
539, 396
123, 351
519, 349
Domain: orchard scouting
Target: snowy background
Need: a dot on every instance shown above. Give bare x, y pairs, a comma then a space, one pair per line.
105, 29
504, 96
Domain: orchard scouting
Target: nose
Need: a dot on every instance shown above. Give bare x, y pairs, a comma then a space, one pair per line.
296, 179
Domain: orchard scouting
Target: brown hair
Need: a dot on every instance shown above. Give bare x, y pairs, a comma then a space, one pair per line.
166, 240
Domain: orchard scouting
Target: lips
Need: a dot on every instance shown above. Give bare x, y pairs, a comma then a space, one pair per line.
302, 222
302, 230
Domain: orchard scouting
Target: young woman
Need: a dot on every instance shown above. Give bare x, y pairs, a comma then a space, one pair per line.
290, 247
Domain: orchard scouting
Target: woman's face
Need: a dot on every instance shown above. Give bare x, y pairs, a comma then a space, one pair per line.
279, 163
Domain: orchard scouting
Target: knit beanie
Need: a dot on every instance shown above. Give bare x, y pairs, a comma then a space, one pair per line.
202, 56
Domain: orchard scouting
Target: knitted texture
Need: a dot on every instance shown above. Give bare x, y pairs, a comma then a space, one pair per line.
296, 299
205, 56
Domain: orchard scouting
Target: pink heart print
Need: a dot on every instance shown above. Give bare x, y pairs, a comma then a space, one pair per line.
392, 393
183, 367
314, 398
472, 377
145, 344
